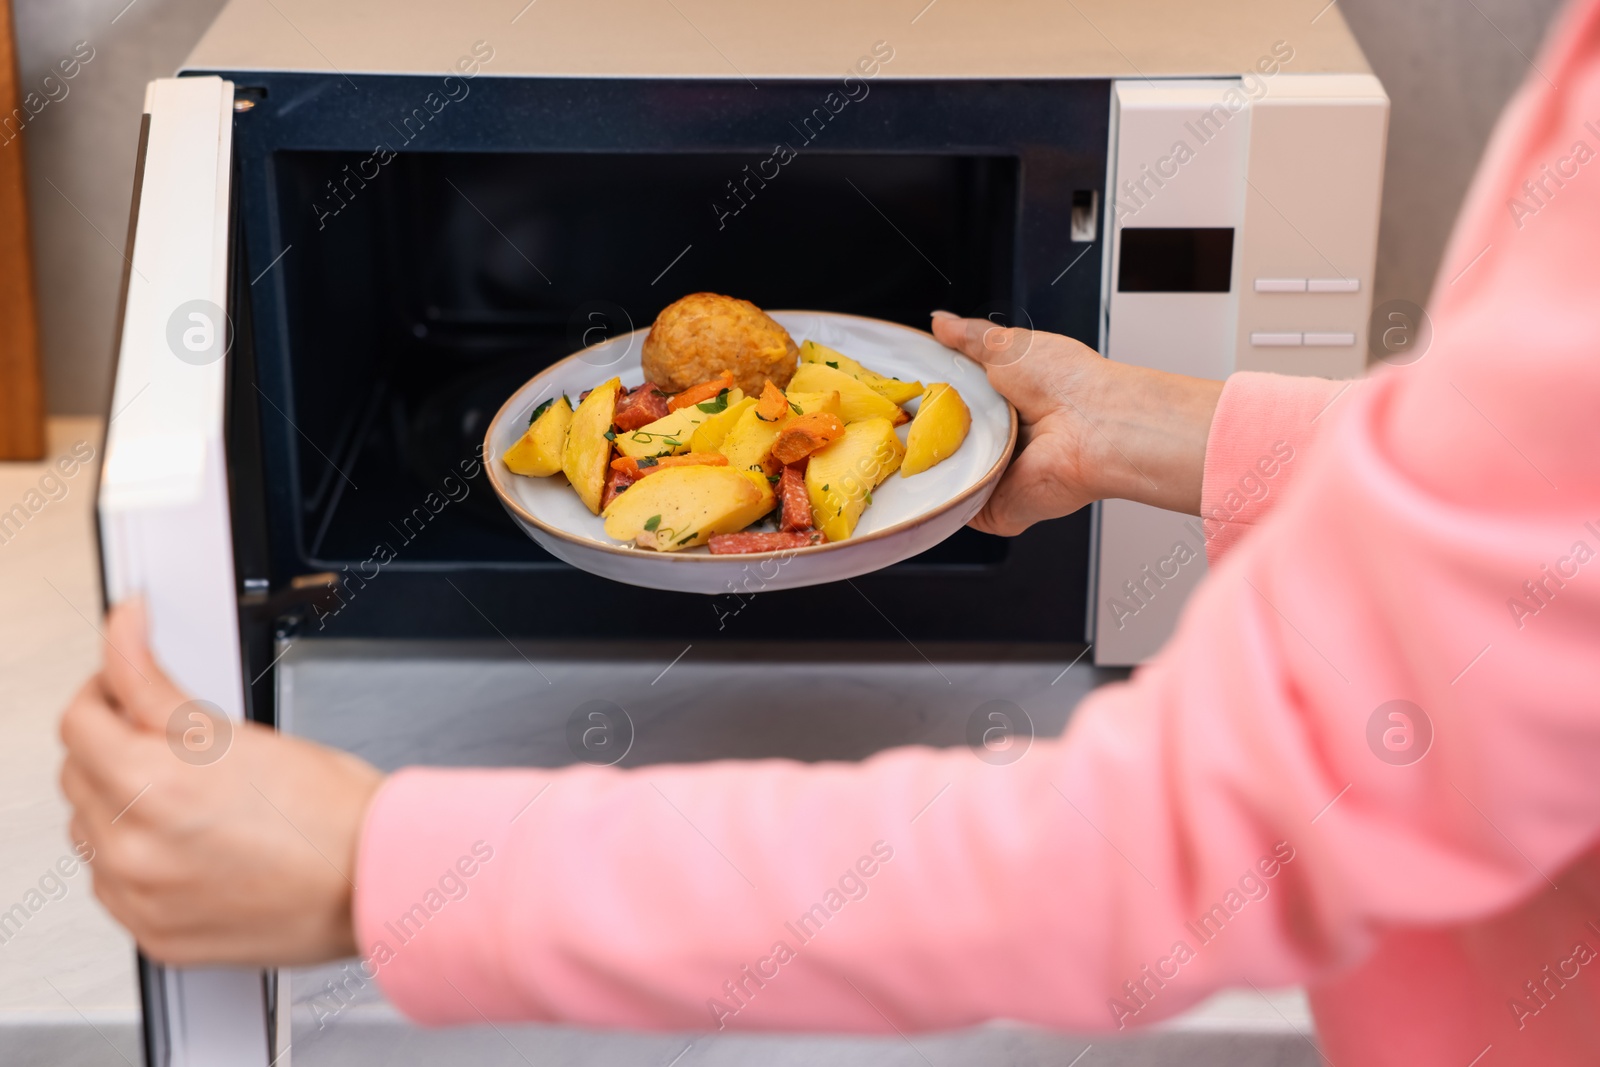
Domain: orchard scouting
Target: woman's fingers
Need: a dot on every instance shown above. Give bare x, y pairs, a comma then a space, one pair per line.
1040, 484
981, 339
109, 762
135, 682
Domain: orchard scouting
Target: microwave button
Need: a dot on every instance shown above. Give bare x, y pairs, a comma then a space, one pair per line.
1334, 285
1263, 339
1330, 340
1280, 285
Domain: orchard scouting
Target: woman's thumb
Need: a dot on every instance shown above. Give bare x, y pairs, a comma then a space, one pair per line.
138, 685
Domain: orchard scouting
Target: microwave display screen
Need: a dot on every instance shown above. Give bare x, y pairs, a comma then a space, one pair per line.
1163, 259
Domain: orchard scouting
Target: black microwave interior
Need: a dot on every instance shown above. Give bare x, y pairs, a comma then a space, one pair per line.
388, 299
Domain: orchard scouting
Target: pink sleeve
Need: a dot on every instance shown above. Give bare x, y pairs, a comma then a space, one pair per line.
1260, 438
1246, 808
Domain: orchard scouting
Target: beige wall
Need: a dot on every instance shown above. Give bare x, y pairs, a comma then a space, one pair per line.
81, 151
1447, 66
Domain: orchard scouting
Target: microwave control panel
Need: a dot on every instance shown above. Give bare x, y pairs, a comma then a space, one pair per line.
1243, 217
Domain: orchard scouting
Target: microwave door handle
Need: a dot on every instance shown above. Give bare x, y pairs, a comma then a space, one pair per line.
163, 508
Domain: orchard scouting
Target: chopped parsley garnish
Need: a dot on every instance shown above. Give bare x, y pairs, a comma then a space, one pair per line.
648, 461
773, 478
686, 538
824, 489
652, 522
715, 404
540, 410
831, 363
795, 408
663, 395
611, 435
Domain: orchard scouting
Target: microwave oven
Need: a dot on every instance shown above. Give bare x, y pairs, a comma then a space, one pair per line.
357, 227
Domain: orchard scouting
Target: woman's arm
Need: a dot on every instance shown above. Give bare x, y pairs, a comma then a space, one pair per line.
1242, 810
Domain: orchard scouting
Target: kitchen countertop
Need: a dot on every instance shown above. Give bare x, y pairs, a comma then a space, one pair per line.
68, 994
69, 962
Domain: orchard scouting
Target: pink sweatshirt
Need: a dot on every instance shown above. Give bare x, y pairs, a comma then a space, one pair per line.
1250, 808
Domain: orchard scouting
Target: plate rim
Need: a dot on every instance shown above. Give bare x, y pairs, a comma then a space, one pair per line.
492, 463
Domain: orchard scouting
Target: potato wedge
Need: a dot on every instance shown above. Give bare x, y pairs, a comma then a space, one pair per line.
814, 403
588, 449
891, 389
840, 478
940, 426
857, 400
749, 442
685, 506
709, 435
538, 452
673, 433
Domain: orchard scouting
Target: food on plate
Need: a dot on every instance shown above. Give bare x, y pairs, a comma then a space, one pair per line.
685, 506
804, 434
713, 441
703, 334
891, 389
840, 478
588, 449
672, 433
940, 425
738, 543
857, 400
537, 453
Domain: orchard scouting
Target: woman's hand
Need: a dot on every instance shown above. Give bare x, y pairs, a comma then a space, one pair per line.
1090, 428
209, 845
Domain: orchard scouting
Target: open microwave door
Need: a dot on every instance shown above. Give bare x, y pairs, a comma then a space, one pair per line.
163, 505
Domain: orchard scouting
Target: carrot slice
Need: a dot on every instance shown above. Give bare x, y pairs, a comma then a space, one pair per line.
699, 394
773, 405
804, 434
635, 469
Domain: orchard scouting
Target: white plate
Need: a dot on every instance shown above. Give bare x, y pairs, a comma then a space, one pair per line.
906, 516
